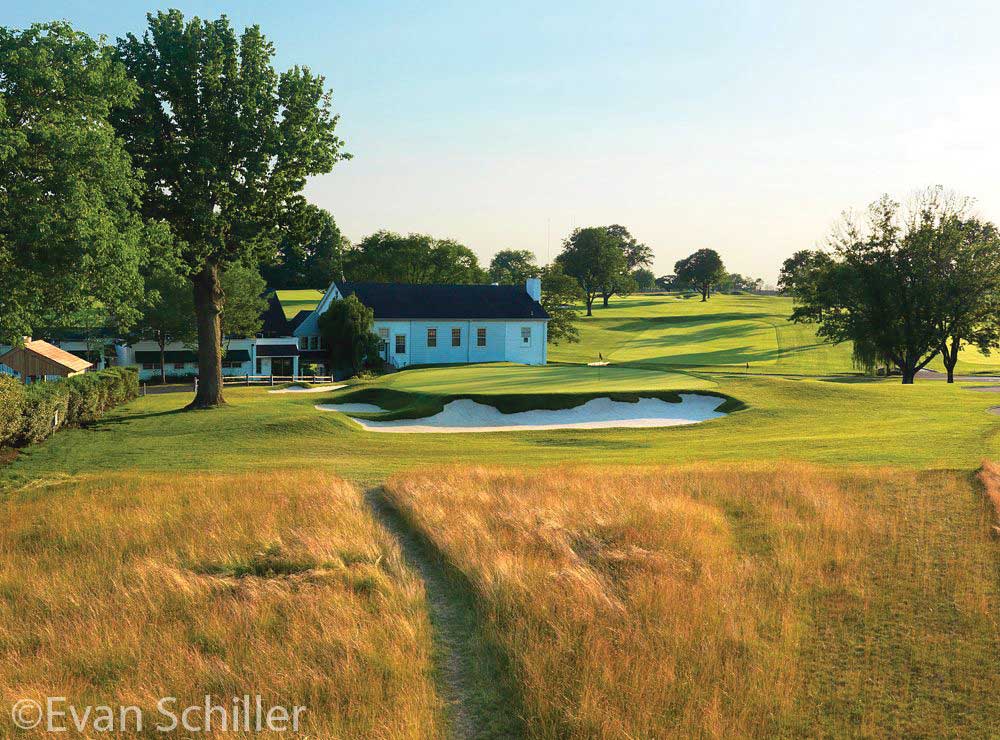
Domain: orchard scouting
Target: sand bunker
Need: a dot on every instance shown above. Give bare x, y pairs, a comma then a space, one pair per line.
303, 389
465, 415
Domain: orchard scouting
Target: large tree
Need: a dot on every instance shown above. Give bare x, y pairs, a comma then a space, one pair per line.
701, 270
884, 291
226, 144
968, 263
70, 235
595, 259
513, 266
309, 252
636, 255
560, 293
645, 280
387, 257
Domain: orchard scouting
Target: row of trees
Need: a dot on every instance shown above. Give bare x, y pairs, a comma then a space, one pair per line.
903, 284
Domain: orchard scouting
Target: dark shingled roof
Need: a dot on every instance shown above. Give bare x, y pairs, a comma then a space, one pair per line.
404, 301
277, 350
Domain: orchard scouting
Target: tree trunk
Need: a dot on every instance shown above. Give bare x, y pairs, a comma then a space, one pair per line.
590, 306
704, 293
163, 360
208, 299
908, 374
949, 356
606, 296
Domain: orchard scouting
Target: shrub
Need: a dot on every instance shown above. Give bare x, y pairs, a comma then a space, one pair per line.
45, 410
30, 414
11, 409
87, 398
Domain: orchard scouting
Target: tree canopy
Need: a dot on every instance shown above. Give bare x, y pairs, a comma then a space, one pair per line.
905, 285
701, 270
636, 255
968, 264
645, 280
245, 301
387, 257
513, 267
225, 144
595, 258
309, 252
70, 234
559, 294
168, 313
348, 330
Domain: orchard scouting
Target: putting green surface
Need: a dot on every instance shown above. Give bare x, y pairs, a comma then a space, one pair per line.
726, 332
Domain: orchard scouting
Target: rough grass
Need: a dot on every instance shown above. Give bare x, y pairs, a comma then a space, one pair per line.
728, 601
989, 475
124, 588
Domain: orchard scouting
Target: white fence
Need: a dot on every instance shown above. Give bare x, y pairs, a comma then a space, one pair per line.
274, 379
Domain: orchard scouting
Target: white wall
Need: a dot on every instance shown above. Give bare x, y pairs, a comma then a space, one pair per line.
503, 342
533, 353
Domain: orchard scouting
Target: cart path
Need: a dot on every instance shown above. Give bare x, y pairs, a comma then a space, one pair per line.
470, 676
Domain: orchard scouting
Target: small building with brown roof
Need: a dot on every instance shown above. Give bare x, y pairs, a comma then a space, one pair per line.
39, 360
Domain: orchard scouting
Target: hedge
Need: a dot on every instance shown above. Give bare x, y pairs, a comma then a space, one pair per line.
30, 414
11, 408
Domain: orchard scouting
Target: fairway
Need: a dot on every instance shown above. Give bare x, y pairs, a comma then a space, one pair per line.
726, 332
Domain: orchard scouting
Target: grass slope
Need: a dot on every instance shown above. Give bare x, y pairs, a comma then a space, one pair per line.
718, 601
679, 330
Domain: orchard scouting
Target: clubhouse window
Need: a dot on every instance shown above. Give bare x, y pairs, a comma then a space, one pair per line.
526, 336
400, 344
481, 336
432, 337
456, 337
383, 338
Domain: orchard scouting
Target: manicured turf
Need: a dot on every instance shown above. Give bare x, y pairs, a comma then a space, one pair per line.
850, 421
293, 301
721, 334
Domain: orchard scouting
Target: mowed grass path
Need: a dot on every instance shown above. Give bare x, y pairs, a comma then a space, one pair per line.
927, 425
679, 330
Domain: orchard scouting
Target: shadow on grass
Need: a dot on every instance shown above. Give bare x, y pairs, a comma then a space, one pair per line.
109, 422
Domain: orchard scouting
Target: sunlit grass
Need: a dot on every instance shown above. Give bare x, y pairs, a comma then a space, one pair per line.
723, 333
120, 589
727, 601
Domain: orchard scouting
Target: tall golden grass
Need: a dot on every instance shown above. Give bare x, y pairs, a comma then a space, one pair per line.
727, 601
125, 589
989, 475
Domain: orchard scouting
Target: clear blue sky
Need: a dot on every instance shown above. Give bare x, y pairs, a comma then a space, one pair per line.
742, 126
